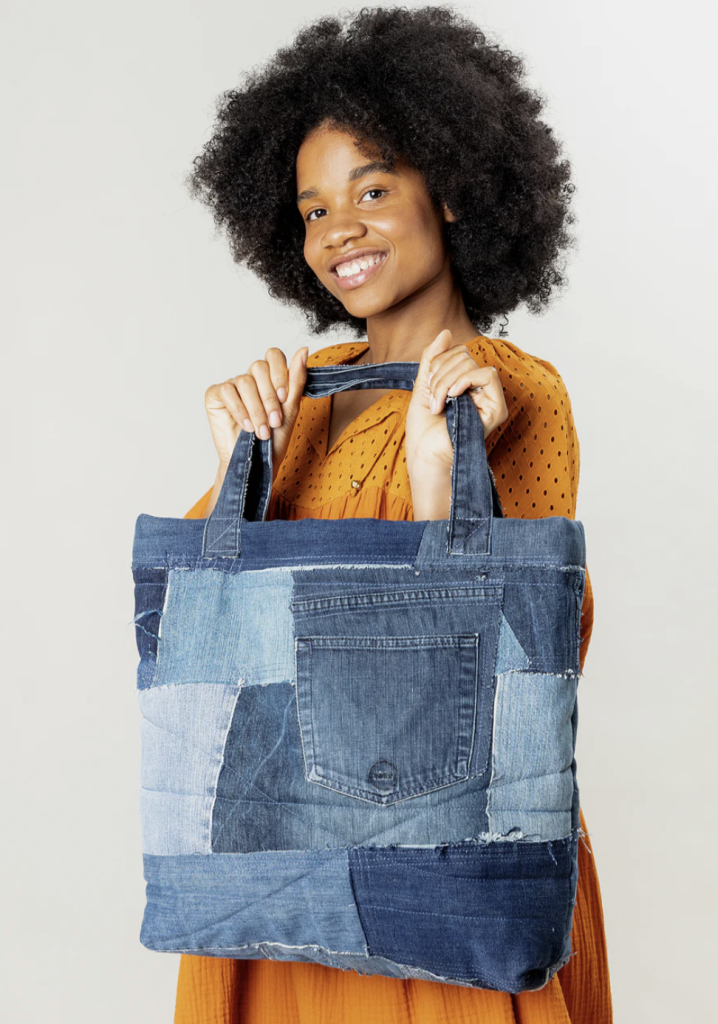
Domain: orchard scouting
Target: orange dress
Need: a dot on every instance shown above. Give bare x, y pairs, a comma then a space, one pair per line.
535, 459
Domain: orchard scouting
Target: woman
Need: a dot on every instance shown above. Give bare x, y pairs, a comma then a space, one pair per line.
389, 173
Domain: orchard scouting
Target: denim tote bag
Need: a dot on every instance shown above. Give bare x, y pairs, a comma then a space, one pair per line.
358, 735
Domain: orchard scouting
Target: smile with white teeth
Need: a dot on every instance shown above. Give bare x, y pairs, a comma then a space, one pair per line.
356, 266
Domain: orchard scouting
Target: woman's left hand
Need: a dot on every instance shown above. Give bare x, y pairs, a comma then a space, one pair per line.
446, 369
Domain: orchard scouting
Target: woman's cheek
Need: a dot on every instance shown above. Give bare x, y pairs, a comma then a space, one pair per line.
313, 261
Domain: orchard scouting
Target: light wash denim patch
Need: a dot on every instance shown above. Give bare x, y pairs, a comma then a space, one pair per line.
223, 628
184, 729
532, 792
204, 904
511, 657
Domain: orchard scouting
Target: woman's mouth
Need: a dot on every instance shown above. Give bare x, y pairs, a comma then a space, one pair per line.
355, 273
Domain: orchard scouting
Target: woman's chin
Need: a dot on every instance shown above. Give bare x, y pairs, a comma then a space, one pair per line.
364, 306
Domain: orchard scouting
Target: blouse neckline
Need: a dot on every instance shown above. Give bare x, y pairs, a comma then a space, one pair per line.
386, 405
390, 404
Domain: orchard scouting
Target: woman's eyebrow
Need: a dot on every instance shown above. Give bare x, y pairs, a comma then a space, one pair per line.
375, 167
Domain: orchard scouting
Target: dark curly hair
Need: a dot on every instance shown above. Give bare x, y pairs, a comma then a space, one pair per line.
423, 85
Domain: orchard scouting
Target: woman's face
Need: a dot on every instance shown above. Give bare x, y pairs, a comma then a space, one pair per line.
372, 235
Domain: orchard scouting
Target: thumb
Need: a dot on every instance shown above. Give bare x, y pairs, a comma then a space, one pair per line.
443, 341
297, 380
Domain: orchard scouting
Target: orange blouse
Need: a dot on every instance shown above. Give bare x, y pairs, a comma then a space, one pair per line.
534, 456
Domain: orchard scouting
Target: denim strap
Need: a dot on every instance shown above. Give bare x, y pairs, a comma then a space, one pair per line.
247, 485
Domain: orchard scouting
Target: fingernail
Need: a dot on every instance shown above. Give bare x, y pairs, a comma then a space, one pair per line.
432, 404
282, 395
428, 379
274, 418
264, 432
247, 424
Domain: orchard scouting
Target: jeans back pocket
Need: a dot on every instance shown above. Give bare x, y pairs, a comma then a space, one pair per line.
389, 700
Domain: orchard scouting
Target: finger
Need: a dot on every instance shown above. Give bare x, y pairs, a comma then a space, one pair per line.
297, 377
450, 361
277, 362
487, 395
440, 344
226, 396
455, 378
260, 370
458, 378
248, 389
489, 400
490, 414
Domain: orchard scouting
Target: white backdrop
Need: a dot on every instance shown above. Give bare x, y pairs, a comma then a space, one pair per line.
122, 306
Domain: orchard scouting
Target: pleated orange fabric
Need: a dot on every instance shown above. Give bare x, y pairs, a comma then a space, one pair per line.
535, 460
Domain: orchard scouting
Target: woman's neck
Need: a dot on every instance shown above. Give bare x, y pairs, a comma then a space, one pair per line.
401, 333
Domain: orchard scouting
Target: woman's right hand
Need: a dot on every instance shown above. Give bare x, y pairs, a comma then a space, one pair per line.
265, 399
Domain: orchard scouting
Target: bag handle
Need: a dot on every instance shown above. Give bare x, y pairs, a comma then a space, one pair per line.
247, 485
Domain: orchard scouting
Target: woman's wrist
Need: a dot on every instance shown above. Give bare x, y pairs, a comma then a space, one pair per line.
430, 481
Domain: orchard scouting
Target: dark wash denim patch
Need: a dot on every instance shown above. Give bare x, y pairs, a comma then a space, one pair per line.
358, 735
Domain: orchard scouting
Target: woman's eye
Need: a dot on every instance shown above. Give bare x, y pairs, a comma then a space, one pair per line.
381, 191
372, 192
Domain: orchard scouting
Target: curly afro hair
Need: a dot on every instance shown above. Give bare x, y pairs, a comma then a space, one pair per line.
421, 84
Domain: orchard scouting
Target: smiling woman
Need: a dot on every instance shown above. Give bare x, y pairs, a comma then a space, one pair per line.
423, 86
388, 173
368, 222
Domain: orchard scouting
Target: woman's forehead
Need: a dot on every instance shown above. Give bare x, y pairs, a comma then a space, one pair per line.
335, 155
336, 144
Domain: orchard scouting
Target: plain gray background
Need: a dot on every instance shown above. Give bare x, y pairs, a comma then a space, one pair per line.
122, 306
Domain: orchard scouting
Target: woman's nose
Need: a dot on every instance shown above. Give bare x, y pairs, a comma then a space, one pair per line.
342, 228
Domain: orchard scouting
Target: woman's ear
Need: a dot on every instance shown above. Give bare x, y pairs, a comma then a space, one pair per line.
448, 215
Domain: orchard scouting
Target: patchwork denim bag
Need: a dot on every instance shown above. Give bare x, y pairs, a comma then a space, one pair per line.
358, 735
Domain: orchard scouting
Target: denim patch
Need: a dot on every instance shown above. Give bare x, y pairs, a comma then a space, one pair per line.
224, 628
413, 663
150, 592
542, 611
207, 905
511, 657
547, 543
534, 793
494, 915
177, 543
183, 734
417, 698
264, 802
